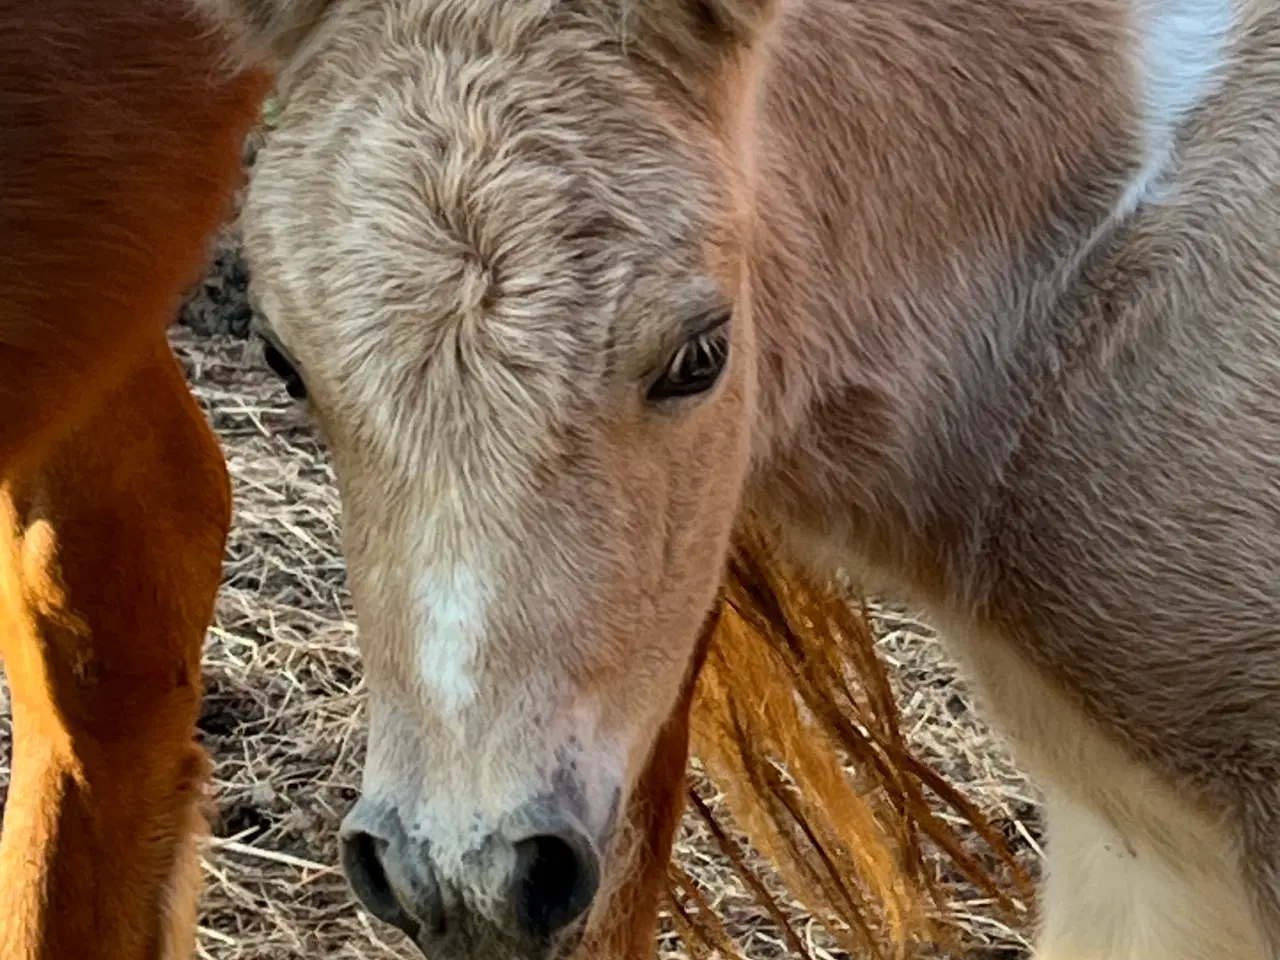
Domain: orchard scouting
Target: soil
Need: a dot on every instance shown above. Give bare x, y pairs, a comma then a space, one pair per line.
219, 305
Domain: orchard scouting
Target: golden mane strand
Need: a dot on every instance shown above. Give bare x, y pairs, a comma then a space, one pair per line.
815, 771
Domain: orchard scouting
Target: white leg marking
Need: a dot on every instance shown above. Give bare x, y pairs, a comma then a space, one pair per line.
1106, 898
1183, 47
455, 607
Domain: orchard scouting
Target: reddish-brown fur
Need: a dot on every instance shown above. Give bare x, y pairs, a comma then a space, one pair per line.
120, 146
112, 554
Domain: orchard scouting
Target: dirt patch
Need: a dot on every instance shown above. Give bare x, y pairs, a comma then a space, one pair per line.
219, 305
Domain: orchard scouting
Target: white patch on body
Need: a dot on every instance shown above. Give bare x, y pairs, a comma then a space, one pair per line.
454, 602
1182, 55
1106, 898
1134, 869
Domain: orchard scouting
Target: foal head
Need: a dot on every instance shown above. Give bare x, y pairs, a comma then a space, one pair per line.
502, 242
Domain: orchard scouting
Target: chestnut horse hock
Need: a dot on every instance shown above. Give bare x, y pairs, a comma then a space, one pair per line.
975, 299
121, 126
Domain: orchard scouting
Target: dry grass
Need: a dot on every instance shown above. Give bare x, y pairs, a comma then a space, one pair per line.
285, 712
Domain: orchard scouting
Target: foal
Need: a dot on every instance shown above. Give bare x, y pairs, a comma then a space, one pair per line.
973, 297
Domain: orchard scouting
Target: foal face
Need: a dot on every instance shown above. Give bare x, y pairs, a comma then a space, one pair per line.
500, 247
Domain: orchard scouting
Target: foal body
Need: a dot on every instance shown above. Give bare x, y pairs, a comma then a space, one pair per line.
1005, 279
1021, 366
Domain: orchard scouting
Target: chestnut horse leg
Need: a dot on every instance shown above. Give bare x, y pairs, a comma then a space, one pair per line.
120, 147
110, 559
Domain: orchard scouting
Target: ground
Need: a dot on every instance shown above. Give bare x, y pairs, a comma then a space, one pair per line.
285, 707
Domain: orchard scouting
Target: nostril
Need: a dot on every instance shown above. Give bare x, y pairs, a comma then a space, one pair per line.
555, 881
362, 855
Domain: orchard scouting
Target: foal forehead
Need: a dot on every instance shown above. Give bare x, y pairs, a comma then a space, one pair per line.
475, 229
511, 205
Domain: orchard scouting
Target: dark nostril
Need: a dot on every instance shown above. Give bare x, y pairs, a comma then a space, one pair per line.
362, 855
555, 881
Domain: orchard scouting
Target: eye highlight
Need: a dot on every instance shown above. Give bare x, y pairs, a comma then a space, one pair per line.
696, 365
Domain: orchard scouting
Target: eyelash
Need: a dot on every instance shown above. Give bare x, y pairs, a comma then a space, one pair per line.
695, 367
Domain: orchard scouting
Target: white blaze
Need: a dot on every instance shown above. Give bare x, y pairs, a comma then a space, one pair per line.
454, 601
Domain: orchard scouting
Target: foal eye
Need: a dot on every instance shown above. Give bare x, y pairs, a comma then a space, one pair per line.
283, 369
695, 367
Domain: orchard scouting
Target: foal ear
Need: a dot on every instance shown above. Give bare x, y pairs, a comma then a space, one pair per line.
264, 31
701, 32
733, 21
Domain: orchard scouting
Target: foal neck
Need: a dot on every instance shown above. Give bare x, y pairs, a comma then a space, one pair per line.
930, 176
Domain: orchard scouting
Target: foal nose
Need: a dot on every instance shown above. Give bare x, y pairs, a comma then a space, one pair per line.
525, 893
